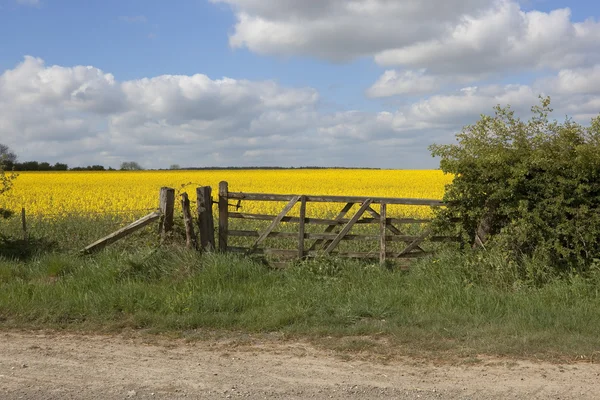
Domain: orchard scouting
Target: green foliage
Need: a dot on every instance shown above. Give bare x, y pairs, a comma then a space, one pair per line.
6, 182
537, 183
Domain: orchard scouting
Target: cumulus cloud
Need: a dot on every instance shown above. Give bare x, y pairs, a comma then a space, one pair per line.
574, 81
339, 29
394, 82
451, 39
503, 38
82, 115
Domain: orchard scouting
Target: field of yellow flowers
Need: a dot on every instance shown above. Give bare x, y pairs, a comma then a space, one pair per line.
53, 194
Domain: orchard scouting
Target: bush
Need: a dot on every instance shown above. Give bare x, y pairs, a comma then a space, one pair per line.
535, 186
6, 182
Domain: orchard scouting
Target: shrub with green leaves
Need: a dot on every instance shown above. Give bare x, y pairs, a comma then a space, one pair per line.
6, 182
535, 184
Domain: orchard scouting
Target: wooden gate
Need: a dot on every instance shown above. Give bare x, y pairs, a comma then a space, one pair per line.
371, 210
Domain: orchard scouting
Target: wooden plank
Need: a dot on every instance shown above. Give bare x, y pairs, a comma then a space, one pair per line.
375, 255
274, 223
113, 237
292, 254
391, 227
336, 199
348, 226
223, 215
415, 243
331, 236
335, 223
321, 221
206, 224
190, 235
167, 209
301, 227
382, 231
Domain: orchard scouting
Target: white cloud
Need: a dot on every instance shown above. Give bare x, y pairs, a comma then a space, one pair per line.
503, 38
453, 40
340, 29
394, 82
82, 115
574, 81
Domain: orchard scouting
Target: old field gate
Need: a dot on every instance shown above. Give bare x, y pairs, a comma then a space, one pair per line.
326, 241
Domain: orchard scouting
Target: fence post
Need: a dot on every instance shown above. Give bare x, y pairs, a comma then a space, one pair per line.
223, 215
190, 235
382, 231
301, 227
206, 224
167, 208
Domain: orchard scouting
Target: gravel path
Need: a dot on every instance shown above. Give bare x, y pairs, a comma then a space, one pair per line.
71, 366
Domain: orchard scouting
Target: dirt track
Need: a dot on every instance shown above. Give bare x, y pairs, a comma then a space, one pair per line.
67, 366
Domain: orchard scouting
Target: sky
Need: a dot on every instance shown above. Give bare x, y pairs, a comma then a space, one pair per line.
290, 83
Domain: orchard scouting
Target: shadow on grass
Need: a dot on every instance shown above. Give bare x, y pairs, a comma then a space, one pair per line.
23, 250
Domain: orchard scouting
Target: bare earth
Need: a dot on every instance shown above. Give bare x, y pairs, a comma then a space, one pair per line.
76, 366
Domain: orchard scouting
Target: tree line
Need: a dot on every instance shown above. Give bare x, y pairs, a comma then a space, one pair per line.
9, 162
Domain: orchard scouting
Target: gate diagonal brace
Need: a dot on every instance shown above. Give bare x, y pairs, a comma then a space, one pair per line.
273, 224
348, 226
331, 228
391, 227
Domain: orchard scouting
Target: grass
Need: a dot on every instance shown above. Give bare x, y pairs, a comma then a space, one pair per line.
461, 304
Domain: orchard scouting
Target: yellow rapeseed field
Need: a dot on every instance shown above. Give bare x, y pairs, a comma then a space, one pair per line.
52, 194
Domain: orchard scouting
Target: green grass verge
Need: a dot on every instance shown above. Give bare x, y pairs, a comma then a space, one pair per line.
456, 303
436, 307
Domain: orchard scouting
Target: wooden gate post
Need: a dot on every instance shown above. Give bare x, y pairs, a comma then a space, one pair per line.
206, 224
190, 235
301, 227
167, 209
223, 216
382, 231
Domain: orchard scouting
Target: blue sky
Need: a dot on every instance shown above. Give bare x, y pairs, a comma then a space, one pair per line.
295, 82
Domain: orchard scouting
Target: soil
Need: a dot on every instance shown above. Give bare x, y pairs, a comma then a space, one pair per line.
42, 365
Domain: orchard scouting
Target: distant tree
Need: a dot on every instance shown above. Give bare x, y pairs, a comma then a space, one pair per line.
131, 166
29, 166
6, 155
60, 167
175, 166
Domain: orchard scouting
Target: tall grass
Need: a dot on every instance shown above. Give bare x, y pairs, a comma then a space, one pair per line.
471, 302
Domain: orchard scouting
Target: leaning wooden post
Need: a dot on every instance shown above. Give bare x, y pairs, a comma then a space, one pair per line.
167, 209
382, 231
485, 225
223, 216
206, 224
301, 227
190, 235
